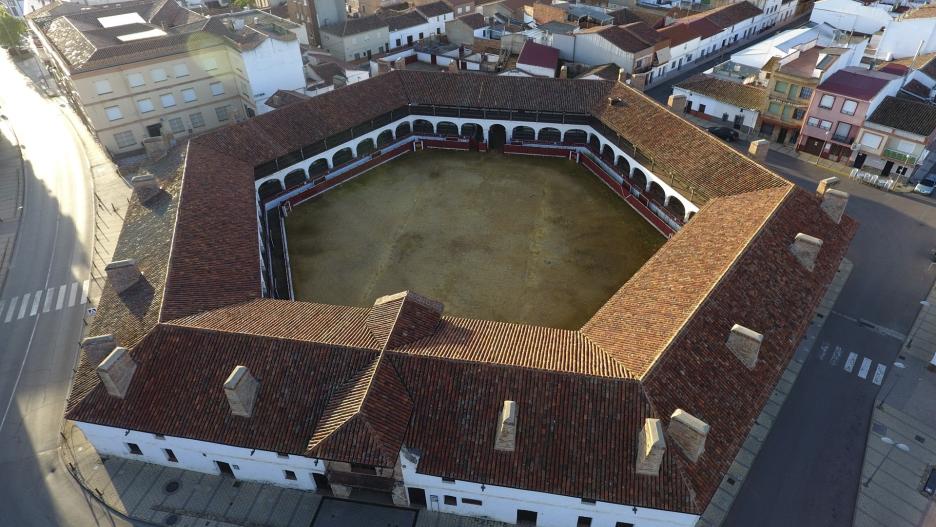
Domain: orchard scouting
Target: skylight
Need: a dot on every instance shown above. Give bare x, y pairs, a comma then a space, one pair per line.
121, 20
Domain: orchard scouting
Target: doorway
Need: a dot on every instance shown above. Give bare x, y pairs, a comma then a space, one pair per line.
781, 137
154, 130
526, 517
417, 497
225, 468
321, 481
860, 159
887, 168
497, 137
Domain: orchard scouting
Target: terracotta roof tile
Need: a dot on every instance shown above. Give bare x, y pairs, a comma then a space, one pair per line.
902, 113
742, 95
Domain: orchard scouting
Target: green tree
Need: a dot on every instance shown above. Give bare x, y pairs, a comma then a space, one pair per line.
242, 4
12, 30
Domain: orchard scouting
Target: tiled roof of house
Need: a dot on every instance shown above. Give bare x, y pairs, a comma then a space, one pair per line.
729, 15
633, 37
474, 20
857, 83
734, 93
349, 383
916, 117
610, 72
535, 54
924, 11
405, 20
355, 26
281, 98
685, 30
434, 9
917, 88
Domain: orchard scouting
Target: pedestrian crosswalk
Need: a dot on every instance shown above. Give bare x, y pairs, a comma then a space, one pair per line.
837, 357
53, 298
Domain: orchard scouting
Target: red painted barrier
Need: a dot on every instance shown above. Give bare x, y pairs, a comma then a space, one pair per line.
446, 144
533, 151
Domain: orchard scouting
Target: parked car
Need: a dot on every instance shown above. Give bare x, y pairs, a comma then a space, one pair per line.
723, 132
926, 186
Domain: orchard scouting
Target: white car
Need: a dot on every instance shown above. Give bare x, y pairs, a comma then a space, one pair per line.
926, 186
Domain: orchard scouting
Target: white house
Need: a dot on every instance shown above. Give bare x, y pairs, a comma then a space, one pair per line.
895, 35
437, 14
715, 99
538, 60
406, 28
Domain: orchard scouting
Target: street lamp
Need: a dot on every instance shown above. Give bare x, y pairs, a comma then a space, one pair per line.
899, 366
822, 146
887, 441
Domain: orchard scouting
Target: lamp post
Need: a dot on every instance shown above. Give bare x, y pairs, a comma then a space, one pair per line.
893, 444
899, 366
822, 146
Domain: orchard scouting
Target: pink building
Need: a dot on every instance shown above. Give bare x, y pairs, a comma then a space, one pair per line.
839, 107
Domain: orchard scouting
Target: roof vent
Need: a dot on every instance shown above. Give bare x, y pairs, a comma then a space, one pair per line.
116, 372
241, 391
651, 445
506, 439
145, 187
617, 101
826, 184
834, 203
745, 344
689, 433
123, 274
401, 318
806, 249
98, 348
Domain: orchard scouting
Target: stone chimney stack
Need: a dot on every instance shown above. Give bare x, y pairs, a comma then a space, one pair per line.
506, 438
834, 203
689, 433
241, 390
677, 102
116, 372
123, 274
745, 344
145, 187
806, 249
98, 348
826, 184
651, 445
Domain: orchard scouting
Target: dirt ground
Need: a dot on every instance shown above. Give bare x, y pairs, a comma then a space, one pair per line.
518, 239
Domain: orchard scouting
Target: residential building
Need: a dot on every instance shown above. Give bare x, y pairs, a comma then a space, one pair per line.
538, 60
634, 47
461, 7
895, 33
896, 138
465, 29
356, 38
146, 68
839, 107
437, 14
405, 28
715, 99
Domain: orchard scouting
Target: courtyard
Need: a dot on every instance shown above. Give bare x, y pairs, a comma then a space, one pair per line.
518, 239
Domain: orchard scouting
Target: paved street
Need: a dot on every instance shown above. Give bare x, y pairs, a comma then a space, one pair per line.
41, 308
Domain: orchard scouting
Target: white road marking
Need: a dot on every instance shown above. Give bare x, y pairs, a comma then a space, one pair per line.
850, 361
823, 350
35, 307
879, 374
865, 367
84, 291
2, 302
836, 355
9, 315
61, 298
72, 294
23, 306
47, 305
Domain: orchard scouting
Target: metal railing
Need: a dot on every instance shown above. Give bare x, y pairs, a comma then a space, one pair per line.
900, 157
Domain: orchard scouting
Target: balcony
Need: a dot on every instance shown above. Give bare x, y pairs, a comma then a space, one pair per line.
899, 157
844, 139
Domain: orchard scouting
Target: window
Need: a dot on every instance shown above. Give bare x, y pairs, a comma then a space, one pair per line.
781, 87
188, 95
398, 43
145, 105
124, 139
159, 436
209, 63
827, 101
623, 524
469, 501
102, 87
158, 75
216, 88
448, 480
290, 475
197, 120
167, 100
798, 114
774, 108
813, 121
135, 449
176, 125
825, 125
583, 521
450, 500
281, 455
136, 80
180, 70
170, 455
222, 113
805, 92
587, 501
113, 113
849, 107
842, 130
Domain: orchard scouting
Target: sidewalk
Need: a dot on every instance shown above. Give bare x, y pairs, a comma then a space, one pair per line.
157, 495
895, 469
12, 188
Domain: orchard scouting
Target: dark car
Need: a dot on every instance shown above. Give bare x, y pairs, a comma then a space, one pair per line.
723, 132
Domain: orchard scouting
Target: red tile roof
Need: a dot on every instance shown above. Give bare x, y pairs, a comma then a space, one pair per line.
538, 55
857, 83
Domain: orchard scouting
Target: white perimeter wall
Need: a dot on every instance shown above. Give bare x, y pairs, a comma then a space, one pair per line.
273, 65
200, 456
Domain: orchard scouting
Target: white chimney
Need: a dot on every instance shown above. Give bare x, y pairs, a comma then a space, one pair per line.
506, 438
689, 433
116, 372
745, 344
806, 249
241, 390
98, 348
651, 445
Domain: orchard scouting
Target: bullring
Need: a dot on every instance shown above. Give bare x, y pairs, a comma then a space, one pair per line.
634, 418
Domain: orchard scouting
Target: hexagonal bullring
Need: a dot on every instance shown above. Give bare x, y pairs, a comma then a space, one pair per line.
512, 238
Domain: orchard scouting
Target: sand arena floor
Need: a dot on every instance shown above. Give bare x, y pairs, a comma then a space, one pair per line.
519, 239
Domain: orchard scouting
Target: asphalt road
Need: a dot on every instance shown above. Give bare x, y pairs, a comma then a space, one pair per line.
808, 471
41, 311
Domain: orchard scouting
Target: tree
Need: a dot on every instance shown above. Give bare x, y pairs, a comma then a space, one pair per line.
12, 30
242, 4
